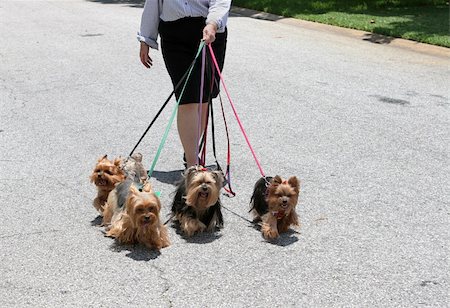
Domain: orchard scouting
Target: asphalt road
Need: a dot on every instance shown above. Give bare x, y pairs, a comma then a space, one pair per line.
364, 126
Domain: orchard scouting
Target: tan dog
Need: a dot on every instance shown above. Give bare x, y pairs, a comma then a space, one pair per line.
273, 203
134, 216
105, 176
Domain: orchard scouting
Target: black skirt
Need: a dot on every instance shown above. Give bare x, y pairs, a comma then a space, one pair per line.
179, 44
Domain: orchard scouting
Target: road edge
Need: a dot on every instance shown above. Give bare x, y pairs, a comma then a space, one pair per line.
423, 48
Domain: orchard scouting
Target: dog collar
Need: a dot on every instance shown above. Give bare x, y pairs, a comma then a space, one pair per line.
279, 214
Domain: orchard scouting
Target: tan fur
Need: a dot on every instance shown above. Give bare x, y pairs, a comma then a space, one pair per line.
202, 182
202, 191
138, 221
282, 199
105, 176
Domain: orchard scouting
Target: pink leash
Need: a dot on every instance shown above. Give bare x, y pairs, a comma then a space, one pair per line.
200, 105
234, 110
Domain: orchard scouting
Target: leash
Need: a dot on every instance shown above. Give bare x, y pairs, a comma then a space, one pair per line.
174, 112
200, 108
177, 86
235, 112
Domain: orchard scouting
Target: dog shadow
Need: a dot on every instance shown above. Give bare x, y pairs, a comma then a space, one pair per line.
198, 238
97, 221
136, 252
285, 239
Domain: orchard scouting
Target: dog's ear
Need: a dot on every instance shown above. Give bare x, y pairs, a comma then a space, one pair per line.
277, 180
147, 187
118, 161
294, 183
137, 157
158, 203
102, 157
134, 190
219, 177
189, 172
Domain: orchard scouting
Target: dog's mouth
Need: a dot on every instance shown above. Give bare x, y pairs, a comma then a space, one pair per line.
203, 194
101, 182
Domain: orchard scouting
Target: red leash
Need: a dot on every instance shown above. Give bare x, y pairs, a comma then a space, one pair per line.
234, 110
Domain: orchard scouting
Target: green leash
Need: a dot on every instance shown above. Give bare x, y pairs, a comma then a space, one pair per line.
166, 133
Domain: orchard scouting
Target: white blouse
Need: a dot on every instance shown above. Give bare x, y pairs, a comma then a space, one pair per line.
215, 12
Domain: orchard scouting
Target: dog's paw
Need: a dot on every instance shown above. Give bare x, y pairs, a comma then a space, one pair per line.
268, 232
190, 227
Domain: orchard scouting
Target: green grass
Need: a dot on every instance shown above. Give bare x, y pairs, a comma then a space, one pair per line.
418, 20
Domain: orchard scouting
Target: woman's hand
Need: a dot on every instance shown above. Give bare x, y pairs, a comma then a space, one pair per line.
145, 56
209, 33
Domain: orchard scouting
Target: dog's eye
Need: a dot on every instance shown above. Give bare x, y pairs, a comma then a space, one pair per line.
108, 172
140, 211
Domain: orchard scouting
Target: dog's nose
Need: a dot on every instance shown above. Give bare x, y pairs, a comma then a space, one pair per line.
146, 218
204, 187
284, 200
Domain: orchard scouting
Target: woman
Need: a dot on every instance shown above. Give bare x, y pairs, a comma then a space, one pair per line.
181, 25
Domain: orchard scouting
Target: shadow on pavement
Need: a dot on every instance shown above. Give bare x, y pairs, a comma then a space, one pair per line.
136, 252
168, 177
97, 221
131, 3
285, 239
199, 238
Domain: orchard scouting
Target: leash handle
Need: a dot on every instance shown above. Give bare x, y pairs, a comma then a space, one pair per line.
234, 110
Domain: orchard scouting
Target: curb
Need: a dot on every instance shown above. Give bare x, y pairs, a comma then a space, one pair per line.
358, 34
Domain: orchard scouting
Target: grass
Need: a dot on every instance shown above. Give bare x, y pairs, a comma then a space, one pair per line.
425, 21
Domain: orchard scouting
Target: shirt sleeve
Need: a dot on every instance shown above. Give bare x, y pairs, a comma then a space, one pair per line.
218, 13
148, 31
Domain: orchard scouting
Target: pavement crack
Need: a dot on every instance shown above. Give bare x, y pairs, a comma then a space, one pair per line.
166, 284
29, 233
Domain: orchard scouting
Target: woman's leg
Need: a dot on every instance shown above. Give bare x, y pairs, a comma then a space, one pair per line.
187, 122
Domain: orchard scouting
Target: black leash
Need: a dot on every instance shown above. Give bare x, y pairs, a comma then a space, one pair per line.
164, 105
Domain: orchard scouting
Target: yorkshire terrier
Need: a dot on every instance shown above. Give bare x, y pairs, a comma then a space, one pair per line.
196, 205
273, 203
133, 167
105, 176
133, 212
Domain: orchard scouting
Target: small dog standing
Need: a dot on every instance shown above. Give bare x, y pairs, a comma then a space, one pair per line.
105, 176
133, 215
196, 205
273, 203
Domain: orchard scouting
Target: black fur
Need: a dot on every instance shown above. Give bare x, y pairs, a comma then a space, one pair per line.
179, 206
258, 200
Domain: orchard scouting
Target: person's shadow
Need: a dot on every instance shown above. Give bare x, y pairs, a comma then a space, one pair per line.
168, 177
173, 177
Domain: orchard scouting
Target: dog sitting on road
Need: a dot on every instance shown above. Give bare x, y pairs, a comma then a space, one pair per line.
132, 215
196, 205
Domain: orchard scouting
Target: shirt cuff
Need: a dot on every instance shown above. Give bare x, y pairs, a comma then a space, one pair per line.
150, 42
216, 22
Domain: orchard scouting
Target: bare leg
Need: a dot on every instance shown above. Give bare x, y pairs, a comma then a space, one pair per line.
187, 122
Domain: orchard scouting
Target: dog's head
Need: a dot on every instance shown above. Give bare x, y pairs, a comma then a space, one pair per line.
107, 173
282, 195
202, 186
133, 167
143, 207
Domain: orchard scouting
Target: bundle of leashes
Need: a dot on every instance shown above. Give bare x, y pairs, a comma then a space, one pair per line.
202, 143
